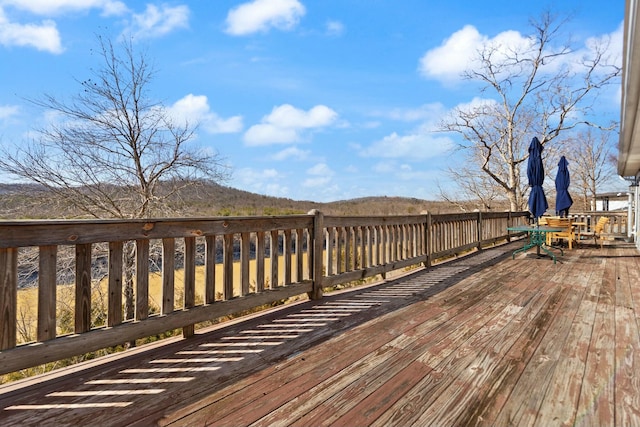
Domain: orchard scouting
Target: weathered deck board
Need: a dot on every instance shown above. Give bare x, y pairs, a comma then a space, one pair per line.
627, 382
561, 399
485, 340
360, 396
596, 404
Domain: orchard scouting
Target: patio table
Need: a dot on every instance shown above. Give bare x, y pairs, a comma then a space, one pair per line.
537, 239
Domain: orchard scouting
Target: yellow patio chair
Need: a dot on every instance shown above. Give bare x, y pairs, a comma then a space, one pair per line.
598, 231
566, 234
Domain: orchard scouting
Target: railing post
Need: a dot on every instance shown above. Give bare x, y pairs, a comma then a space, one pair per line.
8, 297
509, 224
318, 246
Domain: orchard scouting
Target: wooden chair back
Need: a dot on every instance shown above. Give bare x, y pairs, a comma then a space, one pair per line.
565, 234
599, 227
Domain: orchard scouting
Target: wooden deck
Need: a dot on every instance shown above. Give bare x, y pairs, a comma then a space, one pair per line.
483, 340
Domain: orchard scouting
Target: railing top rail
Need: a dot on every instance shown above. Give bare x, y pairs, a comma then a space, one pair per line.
364, 221
473, 215
70, 232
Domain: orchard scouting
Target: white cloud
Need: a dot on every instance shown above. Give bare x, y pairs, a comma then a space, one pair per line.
321, 175
423, 113
320, 169
413, 146
265, 181
475, 104
261, 15
195, 109
54, 7
291, 153
456, 54
158, 21
611, 42
43, 36
8, 111
286, 124
335, 28
448, 60
316, 181
385, 167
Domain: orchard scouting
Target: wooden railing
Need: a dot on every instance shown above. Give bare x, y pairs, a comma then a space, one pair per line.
617, 225
204, 268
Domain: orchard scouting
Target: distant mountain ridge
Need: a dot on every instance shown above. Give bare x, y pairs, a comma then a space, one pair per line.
211, 199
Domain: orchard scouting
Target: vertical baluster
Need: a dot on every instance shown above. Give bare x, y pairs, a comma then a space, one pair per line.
330, 251
370, 231
189, 281
299, 252
114, 312
83, 288
363, 252
47, 292
348, 251
274, 253
210, 270
227, 292
142, 279
340, 250
245, 242
286, 252
168, 275
260, 261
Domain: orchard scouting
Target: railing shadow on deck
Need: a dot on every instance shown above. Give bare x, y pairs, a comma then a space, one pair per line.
251, 344
205, 269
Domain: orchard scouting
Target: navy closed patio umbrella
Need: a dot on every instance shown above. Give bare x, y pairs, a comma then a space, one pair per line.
535, 172
563, 198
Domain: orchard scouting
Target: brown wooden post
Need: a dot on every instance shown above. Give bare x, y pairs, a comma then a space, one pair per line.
260, 246
210, 269
189, 281
245, 244
479, 230
142, 279
168, 274
114, 312
274, 254
299, 253
227, 288
83, 288
8, 297
47, 292
427, 238
318, 246
286, 255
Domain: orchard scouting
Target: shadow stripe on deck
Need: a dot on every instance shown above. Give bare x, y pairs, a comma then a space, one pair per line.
147, 383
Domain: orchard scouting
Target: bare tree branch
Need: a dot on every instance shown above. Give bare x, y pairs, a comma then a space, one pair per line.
537, 89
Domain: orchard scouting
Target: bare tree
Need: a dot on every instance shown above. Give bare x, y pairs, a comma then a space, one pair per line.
475, 189
113, 151
536, 91
591, 164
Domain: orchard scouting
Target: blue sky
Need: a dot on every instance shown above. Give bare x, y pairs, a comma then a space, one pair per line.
308, 99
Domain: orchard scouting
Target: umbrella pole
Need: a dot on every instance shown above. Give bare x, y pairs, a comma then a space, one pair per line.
538, 245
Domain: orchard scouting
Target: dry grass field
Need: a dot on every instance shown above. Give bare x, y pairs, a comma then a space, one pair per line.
28, 297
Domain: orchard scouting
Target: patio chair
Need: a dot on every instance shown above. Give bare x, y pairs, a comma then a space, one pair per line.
598, 231
566, 234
